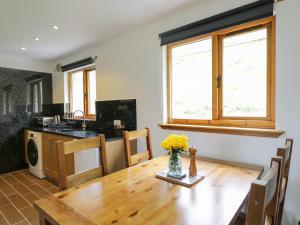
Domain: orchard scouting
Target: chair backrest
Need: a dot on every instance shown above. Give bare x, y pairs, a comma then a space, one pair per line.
134, 135
65, 148
263, 197
286, 154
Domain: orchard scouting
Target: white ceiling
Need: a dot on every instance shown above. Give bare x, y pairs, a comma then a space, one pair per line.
82, 23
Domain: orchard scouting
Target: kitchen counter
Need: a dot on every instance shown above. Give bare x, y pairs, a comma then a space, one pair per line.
80, 161
70, 132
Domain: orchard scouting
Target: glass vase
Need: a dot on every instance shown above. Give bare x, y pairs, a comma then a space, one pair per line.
175, 165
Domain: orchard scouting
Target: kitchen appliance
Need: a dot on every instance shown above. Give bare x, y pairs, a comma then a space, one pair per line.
35, 154
44, 121
56, 119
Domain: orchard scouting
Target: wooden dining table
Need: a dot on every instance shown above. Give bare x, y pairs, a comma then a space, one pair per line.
135, 196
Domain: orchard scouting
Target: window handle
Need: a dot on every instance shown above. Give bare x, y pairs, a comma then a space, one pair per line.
219, 80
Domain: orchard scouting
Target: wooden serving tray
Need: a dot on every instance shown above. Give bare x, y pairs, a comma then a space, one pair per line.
186, 181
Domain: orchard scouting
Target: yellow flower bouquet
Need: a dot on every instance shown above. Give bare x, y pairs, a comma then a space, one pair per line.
175, 143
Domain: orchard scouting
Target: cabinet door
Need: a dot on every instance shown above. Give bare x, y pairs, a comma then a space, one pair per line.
69, 158
50, 156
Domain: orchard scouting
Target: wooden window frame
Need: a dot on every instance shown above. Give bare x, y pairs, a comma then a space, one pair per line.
86, 90
218, 119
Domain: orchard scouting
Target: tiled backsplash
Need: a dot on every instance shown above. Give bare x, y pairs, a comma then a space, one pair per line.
53, 109
123, 110
108, 111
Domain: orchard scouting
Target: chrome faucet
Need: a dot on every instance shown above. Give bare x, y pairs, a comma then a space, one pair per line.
84, 122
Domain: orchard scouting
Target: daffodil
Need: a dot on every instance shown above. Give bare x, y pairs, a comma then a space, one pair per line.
175, 142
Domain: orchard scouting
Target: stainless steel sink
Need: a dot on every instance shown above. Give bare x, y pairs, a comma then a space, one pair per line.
72, 132
66, 129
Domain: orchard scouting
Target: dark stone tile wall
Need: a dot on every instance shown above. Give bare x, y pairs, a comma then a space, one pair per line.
54, 109
124, 110
108, 111
19, 90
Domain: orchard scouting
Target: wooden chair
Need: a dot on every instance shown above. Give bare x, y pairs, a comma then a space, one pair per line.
263, 196
134, 135
65, 148
285, 153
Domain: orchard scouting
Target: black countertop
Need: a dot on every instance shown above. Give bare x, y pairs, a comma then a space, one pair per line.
71, 132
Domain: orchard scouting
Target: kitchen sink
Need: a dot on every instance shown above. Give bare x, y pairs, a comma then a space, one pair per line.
72, 132
66, 129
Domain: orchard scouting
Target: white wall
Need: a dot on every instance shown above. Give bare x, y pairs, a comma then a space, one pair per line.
288, 92
25, 63
130, 66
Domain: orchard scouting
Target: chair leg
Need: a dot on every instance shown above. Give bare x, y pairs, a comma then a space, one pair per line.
280, 213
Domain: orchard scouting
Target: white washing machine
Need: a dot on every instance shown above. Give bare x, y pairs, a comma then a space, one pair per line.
35, 154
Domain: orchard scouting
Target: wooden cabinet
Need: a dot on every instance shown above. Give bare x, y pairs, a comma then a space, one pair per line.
115, 155
50, 155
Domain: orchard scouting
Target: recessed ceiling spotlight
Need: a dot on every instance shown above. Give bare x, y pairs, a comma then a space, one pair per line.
55, 27
36, 38
23, 48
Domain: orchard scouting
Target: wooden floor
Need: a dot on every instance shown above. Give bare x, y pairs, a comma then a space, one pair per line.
18, 191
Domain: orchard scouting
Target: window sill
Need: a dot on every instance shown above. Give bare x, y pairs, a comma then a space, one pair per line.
271, 133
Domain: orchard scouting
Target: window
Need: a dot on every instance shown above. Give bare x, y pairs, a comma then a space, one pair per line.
35, 95
191, 75
244, 74
225, 78
37, 98
82, 91
7, 99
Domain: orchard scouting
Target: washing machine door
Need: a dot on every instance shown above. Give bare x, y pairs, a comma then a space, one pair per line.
32, 152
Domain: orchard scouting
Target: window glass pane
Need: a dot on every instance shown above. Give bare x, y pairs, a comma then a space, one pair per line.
77, 91
5, 102
245, 74
35, 98
92, 91
192, 80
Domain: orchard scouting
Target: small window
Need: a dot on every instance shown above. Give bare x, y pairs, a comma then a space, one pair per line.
82, 91
224, 78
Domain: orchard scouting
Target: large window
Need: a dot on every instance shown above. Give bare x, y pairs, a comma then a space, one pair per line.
82, 91
225, 78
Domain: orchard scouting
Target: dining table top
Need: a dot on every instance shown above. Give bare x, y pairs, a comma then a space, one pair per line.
135, 196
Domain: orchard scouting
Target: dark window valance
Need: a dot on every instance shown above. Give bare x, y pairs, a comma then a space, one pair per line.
253, 11
80, 63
